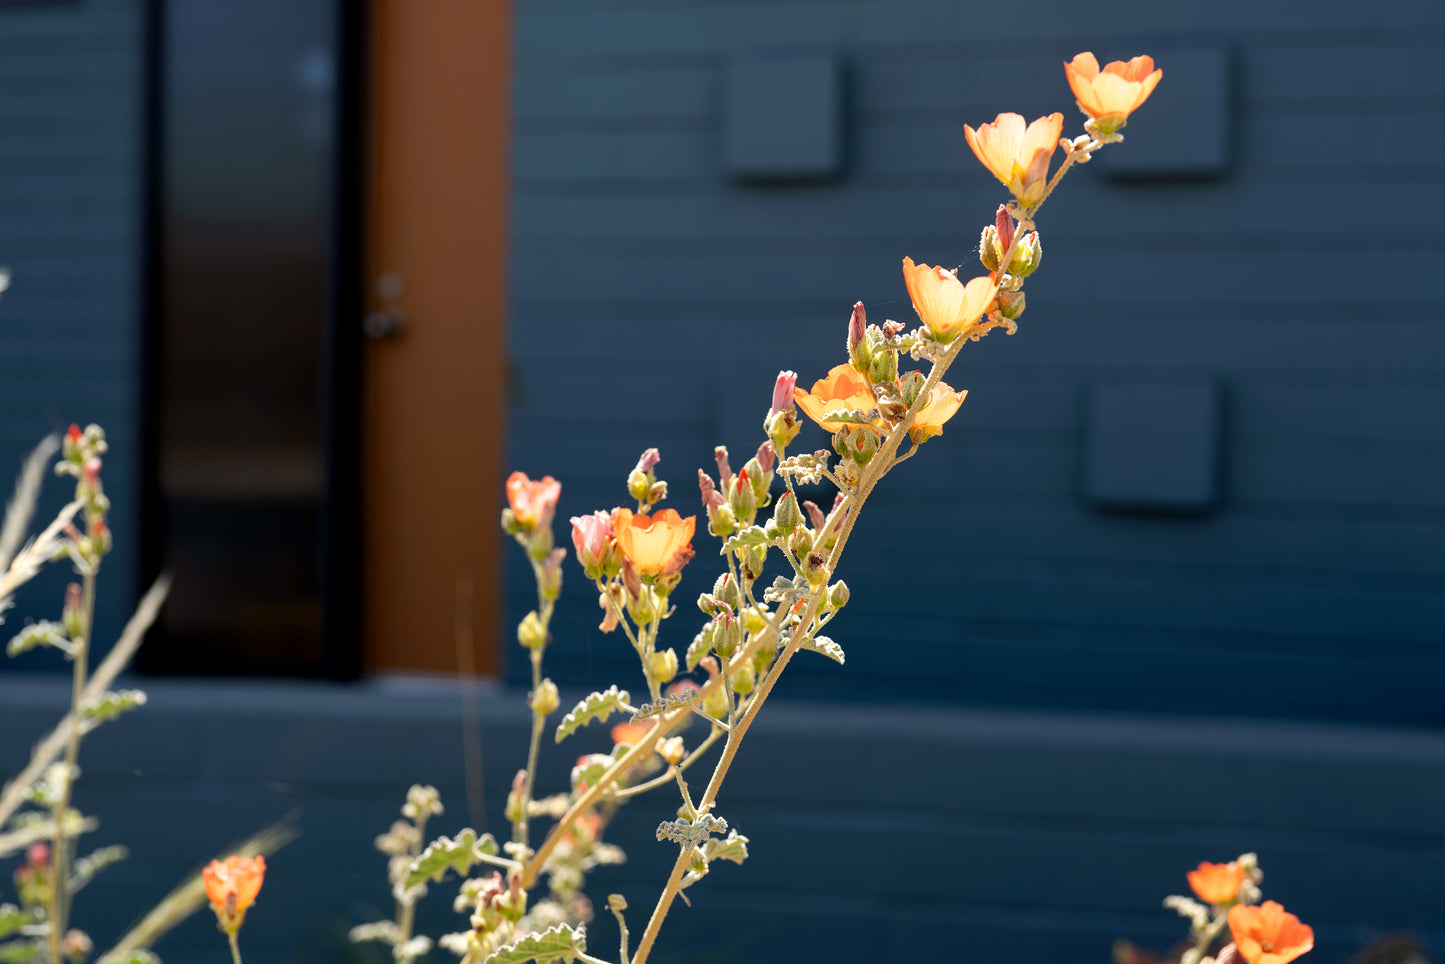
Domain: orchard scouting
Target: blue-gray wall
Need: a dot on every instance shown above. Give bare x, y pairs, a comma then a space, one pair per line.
1293, 278
70, 137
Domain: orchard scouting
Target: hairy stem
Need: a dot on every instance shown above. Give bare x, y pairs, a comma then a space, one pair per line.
235, 949
59, 864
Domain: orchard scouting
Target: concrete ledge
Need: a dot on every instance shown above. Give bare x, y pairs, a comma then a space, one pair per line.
1035, 836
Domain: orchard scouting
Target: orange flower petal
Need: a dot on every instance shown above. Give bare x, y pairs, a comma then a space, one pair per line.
241, 876
843, 389
942, 403
944, 304
651, 542
1016, 154
1269, 934
1216, 883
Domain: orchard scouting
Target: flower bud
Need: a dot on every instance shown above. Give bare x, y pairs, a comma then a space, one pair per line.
642, 606
672, 750
729, 635
648, 460
838, 595
753, 621
662, 667
758, 479
858, 352
551, 582
73, 617
787, 515
744, 680
721, 521
638, 485
1010, 304
753, 561
883, 367
544, 698
766, 458
540, 542
801, 543
715, 704
742, 498
1004, 226
781, 428
707, 604
724, 471
841, 439
815, 514
863, 446
815, 567
988, 252
726, 591
783, 391
912, 383
531, 633
1027, 255
616, 902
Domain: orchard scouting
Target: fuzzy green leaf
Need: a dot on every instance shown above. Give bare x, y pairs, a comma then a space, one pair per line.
824, 645
597, 706
107, 706
447, 853
696, 650
45, 633
560, 942
733, 847
93, 863
746, 539
21, 952
12, 918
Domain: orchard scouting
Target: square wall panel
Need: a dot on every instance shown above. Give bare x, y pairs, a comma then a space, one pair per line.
1153, 446
785, 118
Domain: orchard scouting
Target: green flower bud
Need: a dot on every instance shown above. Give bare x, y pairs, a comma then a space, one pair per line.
643, 606
727, 591
838, 595
761, 481
787, 516
721, 521
913, 383
988, 251
863, 446
1028, 252
754, 559
744, 681
741, 498
540, 543
1010, 304
801, 543
884, 367
662, 667
544, 698
841, 438
715, 704
638, 485
753, 621
782, 427
531, 633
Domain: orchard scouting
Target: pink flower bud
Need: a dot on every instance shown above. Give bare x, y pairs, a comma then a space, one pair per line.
893, 328
711, 497
783, 391
91, 470
724, 471
590, 535
766, 458
856, 325
815, 515
648, 459
73, 434
1004, 223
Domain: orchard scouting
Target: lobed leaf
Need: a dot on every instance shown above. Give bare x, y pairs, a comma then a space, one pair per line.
748, 538
107, 706
447, 853
560, 942
733, 847
666, 703
596, 707
824, 645
46, 633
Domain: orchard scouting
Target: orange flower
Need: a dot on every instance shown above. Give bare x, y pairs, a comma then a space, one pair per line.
231, 887
1216, 883
1269, 934
532, 502
1018, 156
942, 402
842, 390
945, 304
653, 543
631, 733
1110, 95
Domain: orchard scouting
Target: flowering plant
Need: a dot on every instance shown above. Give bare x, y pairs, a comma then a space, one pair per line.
778, 591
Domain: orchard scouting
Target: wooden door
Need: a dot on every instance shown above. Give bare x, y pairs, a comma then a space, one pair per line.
433, 411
